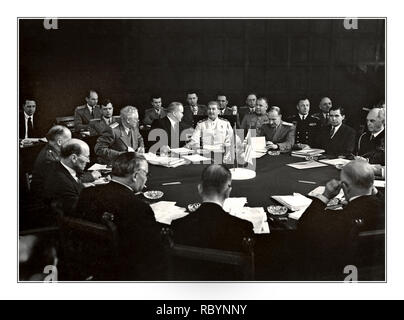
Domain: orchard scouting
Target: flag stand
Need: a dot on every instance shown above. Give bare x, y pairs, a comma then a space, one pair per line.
240, 173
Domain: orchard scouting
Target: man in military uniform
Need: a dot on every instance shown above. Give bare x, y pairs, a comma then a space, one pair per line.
156, 112
215, 133
323, 116
258, 119
279, 135
83, 114
249, 108
120, 138
306, 125
224, 110
98, 126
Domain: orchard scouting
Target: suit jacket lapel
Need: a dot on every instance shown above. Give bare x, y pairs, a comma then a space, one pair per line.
124, 137
277, 132
69, 176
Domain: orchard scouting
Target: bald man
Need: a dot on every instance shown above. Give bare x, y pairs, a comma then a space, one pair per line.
371, 144
327, 233
323, 116
64, 184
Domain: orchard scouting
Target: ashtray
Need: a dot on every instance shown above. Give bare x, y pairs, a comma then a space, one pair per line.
274, 153
193, 207
277, 210
153, 195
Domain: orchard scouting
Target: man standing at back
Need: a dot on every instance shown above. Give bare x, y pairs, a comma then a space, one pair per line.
83, 114
193, 108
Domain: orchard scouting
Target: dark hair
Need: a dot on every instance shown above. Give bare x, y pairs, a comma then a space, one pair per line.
105, 102
126, 164
27, 99
70, 148
221, 94
191, 91
251, 93
215, 179
341, 109
155, 96
55, 132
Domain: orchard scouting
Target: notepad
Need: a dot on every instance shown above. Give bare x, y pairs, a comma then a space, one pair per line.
306, 165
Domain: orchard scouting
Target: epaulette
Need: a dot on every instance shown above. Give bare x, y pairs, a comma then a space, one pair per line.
224, 119
81, 107
114, 125
287, 123
203, 120
316, 116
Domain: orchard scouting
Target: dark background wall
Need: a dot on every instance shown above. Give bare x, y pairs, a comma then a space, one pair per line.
126, 60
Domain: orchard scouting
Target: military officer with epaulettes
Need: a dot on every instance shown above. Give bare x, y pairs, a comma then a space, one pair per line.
279, 135
306, 125
98, 126
258, 119
214, 132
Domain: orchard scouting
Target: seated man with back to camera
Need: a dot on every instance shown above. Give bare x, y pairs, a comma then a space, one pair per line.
279, 135
120, 138
140, 245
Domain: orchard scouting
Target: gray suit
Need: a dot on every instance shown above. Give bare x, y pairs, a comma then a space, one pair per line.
282, 135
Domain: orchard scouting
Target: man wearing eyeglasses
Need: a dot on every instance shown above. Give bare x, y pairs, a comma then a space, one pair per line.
64, 184
139, 233
120, 137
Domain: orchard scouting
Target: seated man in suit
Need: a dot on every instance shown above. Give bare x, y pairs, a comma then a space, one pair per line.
325, 233
170, 129
98, 126
249, 108
156, 112
193, 108
29, 126
306, 125
210, 226
64, 185
279, 135
120, 138
371, 144
323, 116
49, 156
139, 233
337, 138
83, 114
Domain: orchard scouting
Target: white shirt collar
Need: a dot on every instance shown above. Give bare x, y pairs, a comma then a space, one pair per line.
377, 133
27, 116
71, 171
172, 121
302, 115
116, 181
90, 108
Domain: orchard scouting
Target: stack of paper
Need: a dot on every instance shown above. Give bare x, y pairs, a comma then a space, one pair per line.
166, 211
257, 217
169, 162
334, 162
320, 190
258, 144
182, 151
306, 165
307, 152
196, 158
234, 205
97, 166
295, 202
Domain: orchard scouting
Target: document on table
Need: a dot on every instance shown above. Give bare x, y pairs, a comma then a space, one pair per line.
306, 164
169, 162
320, 190
196, 158
334, 162
234, 205
258, 154
166, 211
182, 151
97, 166
257, 217
294, 202
258, 144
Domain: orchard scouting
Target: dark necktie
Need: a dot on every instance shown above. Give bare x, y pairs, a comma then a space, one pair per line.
371, 137
91, 112
332, 132
30, 127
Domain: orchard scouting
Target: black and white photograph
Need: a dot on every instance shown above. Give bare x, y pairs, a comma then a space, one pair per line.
211, 149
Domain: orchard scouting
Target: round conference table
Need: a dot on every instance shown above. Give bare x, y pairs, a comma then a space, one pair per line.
273, 177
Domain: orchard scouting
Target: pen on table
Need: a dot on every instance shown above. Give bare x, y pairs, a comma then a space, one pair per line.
170, 183
309, 182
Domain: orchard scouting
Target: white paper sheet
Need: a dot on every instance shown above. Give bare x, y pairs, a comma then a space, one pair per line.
197, 158
181, 150
234, 205
97, 166
294, 202
258, 144
257, 217
380, 183
306, 165
334, 162
166, 211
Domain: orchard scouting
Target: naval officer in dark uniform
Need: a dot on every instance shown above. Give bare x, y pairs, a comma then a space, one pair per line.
306, 125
